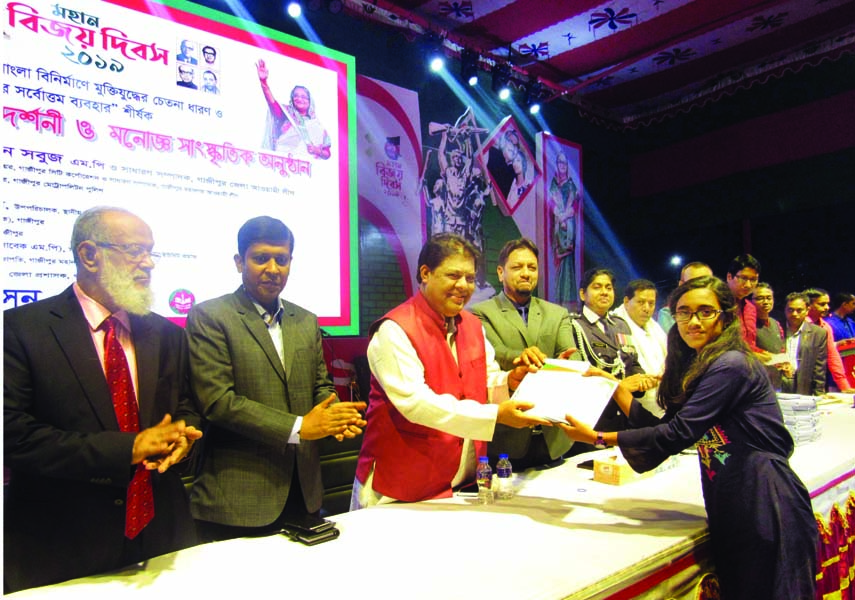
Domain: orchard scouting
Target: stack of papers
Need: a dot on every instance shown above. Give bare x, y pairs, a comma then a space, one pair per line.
801, 417
559, 388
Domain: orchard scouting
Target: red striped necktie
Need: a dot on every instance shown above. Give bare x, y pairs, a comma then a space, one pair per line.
139, 509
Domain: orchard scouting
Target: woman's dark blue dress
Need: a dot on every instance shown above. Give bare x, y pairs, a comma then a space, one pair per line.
762, 528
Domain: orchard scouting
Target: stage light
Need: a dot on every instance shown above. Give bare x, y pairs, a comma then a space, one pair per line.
533, 96
676, 260
469, 67
434, 54
294, 9
502, 81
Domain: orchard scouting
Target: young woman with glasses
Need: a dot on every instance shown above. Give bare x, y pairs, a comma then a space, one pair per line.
717, 395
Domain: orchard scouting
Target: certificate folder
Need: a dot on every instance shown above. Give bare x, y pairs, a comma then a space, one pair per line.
559, 388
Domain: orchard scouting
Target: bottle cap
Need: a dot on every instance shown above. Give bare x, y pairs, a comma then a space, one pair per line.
483, 459
501, 456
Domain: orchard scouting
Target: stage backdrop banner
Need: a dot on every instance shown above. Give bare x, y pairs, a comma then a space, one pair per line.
390, 163
561, 163
195, 121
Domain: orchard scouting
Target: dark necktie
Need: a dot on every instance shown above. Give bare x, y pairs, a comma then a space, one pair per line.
139, 508
523, 310
607, 327
450, 326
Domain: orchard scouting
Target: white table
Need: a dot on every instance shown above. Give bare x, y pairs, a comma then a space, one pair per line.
563, 536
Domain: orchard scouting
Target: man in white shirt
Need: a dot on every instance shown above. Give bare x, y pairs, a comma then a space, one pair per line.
639, 302
806, 349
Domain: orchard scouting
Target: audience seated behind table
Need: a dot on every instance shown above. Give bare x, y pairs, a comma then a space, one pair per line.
716, 395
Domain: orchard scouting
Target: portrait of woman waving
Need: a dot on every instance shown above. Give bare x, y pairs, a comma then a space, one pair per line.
293, 128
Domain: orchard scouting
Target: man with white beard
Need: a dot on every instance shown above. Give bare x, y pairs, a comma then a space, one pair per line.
96, 409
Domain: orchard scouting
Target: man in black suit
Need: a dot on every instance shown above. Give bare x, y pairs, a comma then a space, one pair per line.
605, 341
90, 488
806, 346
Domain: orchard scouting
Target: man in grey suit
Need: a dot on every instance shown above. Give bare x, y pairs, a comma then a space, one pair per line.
258, 369
524, 329
806, 346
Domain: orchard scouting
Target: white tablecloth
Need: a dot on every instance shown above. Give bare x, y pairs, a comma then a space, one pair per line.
562, 536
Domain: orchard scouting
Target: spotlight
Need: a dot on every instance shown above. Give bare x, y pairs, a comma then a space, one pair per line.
469, 67
434, 52
676, 260
294, 9
533, 95
502, 80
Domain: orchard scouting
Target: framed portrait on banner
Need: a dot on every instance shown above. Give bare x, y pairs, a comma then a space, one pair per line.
562, 193
510, 165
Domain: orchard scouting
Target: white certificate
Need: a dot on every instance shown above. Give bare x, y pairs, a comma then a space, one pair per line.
556, 392
778, 359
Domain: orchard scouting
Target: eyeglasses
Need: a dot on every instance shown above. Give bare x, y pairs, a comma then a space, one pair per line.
684, 315
136, 252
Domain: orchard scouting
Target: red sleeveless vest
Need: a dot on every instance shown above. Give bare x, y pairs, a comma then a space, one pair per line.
413, 462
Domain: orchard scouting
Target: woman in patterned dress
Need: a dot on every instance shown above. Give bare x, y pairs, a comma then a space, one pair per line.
718, 395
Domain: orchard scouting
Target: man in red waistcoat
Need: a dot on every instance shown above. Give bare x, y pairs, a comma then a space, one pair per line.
437, 391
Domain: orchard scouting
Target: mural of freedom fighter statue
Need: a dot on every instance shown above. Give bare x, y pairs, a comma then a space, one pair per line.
456, 199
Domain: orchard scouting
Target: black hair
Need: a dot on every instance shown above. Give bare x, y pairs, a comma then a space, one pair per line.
683, 365
264, 229
441, 246
637, 285
516, 244
591, 274
743, 261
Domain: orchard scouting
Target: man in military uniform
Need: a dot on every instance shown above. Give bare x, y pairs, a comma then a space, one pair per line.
605, 341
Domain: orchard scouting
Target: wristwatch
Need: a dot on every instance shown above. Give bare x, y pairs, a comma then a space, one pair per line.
600, 442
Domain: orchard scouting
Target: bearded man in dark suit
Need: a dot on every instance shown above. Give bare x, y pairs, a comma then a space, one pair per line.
90, 488
524, 329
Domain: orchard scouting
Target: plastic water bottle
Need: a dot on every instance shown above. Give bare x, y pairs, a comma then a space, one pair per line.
505, 478
484, 476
